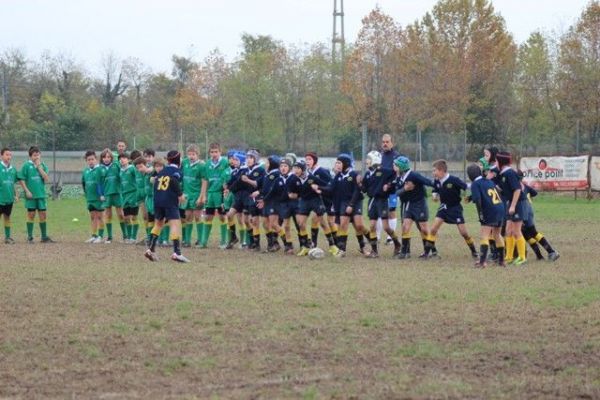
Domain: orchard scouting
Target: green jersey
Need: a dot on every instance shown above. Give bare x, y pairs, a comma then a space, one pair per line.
128, 179
140, 182
33, 180
193, 173
92, 181
149, 185
217, 174
8, 178
112, 178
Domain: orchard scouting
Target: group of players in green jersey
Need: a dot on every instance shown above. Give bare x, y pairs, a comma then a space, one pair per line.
251, 197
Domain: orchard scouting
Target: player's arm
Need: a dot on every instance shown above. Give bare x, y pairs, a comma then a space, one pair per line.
43, 170
477, 200
22, 178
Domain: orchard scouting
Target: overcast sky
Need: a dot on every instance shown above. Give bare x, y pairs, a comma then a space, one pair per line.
153, 30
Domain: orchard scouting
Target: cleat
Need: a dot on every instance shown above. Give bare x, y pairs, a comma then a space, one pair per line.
372, 254
108, 240
340, 254
232, 243
389, 241
480, 265
303, 251
243, 246
289, 251
30, 240
9, 240
97, 240
402, 256
223, 246
475, 255
150, 255
519, 261
553, 256
90, 240
47, 240
424, 256
179, 258
333, 249
397, 249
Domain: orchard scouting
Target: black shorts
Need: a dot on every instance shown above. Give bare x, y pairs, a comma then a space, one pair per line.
328, 203
239, 202
340, 210
451, 215
151, 217
416, 210
270, 208
6, 209
520, 212
131, 211
92, 208
214, 211
168, 214
287, 209
315, 204
378, 208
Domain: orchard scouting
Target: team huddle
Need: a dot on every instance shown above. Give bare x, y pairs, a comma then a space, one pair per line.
252, 197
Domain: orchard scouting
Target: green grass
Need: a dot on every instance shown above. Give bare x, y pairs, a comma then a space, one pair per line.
82, 320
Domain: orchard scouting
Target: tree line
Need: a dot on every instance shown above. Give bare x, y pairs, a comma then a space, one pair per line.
455, 72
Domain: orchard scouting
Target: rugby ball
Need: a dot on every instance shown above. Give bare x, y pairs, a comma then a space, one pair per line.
316, 253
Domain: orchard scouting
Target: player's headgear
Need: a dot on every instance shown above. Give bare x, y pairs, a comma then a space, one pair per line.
174, 157
485, 166
403, 163
254, 154
287, 161
473, 172
292, 157
504, 158
312, 155
300, 164
346, 161
238, 155
274, 162
375, 157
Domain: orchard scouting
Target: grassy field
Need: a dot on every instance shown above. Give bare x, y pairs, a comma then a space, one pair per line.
100, 321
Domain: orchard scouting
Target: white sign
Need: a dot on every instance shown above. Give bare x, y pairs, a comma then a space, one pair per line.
595, 173
556, 173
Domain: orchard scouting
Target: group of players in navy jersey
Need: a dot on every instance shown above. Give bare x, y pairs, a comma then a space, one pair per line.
283, 191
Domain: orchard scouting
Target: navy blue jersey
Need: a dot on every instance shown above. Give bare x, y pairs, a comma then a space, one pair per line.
449, 190
344, 188
419, 181
486, 198
508, 182
374, 181
271, 186
290, 182
256, 174
303, 188
234, 184
167, 187
528, 191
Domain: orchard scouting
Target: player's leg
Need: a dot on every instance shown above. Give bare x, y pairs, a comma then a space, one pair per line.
175, 225
275, 231
520, 242
302, 234
423, 227
30, 221
497, 234
43, 216
510, 242
373, 237
406, 227
6, 212
92, 225
529, 234
361, 232
393, 219
223, 228
553, 255
209, 214
343, 232
385, 224
314, 229
231, 218
462, 229
431, 238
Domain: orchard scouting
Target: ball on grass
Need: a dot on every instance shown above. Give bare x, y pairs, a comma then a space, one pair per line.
316, 253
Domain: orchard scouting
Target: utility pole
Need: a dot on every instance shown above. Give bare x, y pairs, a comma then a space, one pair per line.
5, 94
338, 42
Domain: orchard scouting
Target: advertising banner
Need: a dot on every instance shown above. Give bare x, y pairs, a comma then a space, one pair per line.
556, 173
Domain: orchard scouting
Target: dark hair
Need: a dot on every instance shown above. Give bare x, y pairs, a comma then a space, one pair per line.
123, 155
89, 153
493, 152
441, 165
34, 149
312, 155
139, 160
4, 150
174, 157
149, 152
214, 146
122, 141
135, 154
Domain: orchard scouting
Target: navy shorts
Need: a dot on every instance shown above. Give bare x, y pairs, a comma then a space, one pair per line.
340, 211
287, 209
416, 210
315, 204
270, 207
239, 201
451, 215
392, 202
378, 208
529, 217
520, 212
328, 203
168, 214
